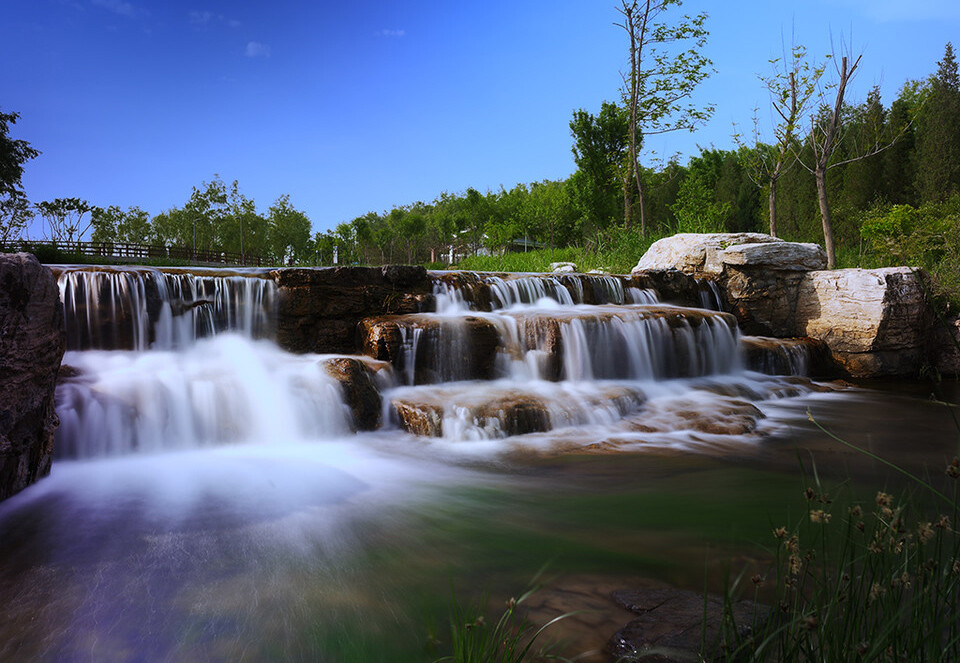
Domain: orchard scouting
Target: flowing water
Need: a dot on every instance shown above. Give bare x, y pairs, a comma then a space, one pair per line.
210, 502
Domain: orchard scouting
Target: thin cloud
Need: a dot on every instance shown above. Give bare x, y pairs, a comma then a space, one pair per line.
233, 23
120, 7
200, 18
257, 50
392, 33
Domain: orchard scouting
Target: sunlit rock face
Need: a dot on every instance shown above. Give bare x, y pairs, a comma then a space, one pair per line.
696, 254
32, 342
875, 321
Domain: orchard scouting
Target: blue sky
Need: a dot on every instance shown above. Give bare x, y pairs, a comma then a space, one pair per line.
356, 107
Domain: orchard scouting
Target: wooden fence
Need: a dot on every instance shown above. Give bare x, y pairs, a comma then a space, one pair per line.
125, 251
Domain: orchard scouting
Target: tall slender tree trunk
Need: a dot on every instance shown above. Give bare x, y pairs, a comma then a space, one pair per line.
627, 202
820, 174
772, 203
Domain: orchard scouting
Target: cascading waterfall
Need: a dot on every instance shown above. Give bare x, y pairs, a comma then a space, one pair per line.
164, 360
559, 363
142, 308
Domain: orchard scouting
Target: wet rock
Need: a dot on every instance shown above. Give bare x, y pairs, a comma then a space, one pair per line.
563, 267
788, 356
32, 342
319, 309
359, 390
946, 346
418, 418
673, 624
441, 349
671, 285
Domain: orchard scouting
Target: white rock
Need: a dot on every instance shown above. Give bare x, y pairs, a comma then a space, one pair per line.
695, 253
563, 267
789, 256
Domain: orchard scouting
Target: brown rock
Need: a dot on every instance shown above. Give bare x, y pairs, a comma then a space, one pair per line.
443, 349
319, 308
673, 624
788, 356
359, 390
32, 341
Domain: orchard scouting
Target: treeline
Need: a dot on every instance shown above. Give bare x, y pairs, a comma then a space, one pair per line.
916, 140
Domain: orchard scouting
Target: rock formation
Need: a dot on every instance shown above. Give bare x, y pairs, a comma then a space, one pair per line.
32, 342
360, 390
319, 309
875, 322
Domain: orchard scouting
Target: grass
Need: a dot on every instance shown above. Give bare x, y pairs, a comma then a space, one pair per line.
508, 639
616, 251
854, 581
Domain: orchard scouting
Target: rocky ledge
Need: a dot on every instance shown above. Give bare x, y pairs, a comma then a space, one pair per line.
32, 341
875, 322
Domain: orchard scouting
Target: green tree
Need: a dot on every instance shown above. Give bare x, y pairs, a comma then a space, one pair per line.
938, 145
65, 218
105, 221
601, 150
14, 153
134, 226
666, 65
289, 232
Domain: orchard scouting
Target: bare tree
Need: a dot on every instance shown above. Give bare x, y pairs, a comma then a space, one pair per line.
791, 87
826, 134
666, 65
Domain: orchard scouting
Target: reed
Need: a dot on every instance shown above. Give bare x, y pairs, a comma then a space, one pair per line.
854, 581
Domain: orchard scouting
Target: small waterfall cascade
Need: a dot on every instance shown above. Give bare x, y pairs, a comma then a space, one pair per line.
165, 359
159, 360
146, 308
511, 355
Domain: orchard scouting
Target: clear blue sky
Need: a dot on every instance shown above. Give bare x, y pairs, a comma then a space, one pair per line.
354, 107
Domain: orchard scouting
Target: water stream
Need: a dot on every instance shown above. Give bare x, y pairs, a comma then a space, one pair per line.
210, 501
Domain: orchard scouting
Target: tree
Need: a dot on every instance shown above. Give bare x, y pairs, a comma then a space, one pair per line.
826, 134
289, 231
64, 217
601, 150
938, 149
662, 76
14, 153
105, 222
790, 87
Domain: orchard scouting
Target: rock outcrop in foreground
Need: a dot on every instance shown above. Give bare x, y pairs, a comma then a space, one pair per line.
32, 341
876, 322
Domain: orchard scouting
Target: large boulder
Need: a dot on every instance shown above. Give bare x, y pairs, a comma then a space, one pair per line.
696, 254
876, 322
32, 341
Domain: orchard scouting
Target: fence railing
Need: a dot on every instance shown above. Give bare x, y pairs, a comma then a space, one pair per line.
123, 250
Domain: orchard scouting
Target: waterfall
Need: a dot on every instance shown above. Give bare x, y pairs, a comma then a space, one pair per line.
221, 390
143, 308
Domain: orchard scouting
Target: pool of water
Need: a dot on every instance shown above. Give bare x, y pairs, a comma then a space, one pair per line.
353, 548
